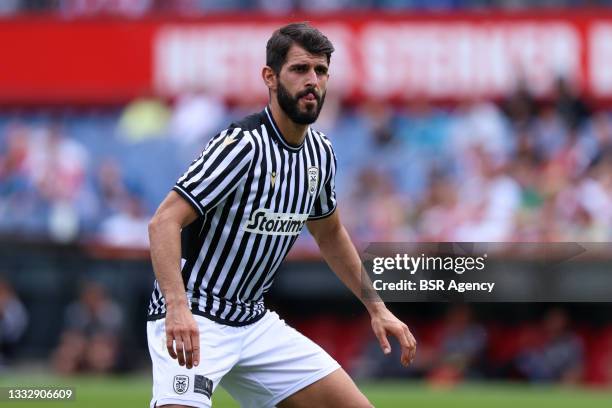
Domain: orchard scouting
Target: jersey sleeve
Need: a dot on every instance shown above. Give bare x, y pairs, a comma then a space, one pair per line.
325, 204
217, 172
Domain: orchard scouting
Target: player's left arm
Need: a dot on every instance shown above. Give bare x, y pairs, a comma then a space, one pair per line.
342, 257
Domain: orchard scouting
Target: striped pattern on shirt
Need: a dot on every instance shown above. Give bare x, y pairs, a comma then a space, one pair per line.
254, 192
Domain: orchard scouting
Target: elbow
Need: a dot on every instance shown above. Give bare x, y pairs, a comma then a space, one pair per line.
162, 224
152, 227
155, 224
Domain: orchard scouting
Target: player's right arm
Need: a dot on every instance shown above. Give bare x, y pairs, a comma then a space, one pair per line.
182, 334
210, 178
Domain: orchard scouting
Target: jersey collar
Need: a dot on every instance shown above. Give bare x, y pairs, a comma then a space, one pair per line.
278, 135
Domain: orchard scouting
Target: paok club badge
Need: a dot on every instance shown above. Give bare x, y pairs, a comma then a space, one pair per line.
181, 384
313, 179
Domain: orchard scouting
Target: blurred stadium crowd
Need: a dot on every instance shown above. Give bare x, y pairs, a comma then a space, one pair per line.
455, 345
515, 169
137, 8
481, 171
459, 346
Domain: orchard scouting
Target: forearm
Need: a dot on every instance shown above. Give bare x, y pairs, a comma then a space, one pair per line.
165, 242
341, 255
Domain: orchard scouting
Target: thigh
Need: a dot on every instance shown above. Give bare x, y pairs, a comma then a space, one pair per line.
276, 362
175, 384
336, 390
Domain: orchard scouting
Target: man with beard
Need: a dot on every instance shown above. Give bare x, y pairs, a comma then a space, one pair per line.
232, 217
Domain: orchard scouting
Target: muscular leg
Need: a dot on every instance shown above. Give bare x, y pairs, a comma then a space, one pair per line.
337, 390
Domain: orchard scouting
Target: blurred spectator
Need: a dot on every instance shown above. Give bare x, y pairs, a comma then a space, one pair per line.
459, 350
13, 322
128, 227
57, 166
377, 212
550, 133
491, 199
449, 351
528, 218
570, 106
43, 175
56, 163
110, 187
196, 118
379, 119
440, 213
91, 339
557, 356
520, 107
597, 140
480, 123
144, 118
17, 195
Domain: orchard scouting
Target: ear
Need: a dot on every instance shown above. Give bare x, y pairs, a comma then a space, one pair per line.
269, 77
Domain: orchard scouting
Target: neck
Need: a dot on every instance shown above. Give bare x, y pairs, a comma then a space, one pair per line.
294, 133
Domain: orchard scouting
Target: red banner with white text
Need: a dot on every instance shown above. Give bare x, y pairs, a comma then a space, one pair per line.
443, 57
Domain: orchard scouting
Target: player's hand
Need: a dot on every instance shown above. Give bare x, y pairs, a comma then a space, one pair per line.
384, 323
182, 335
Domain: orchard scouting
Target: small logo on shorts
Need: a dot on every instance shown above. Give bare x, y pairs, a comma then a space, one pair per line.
181, 384
203, 385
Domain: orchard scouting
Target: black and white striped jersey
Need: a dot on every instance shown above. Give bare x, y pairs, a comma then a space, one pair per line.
254, 192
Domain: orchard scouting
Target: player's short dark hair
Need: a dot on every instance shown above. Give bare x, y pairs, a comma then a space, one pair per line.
302, 34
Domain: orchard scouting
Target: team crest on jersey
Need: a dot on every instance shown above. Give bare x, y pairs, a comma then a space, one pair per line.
181, 384
313, 179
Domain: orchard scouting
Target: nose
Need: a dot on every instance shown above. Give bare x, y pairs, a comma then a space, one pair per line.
312, 79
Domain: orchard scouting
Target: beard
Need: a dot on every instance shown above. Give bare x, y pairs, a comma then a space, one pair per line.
290, 105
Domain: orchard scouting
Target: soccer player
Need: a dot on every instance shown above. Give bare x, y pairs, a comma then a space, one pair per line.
232, 217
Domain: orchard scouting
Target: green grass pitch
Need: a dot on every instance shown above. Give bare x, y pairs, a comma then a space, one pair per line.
134, 391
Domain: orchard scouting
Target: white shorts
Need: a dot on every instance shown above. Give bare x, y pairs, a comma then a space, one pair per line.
259, 365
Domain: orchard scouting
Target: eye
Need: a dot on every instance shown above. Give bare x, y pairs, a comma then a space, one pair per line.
321, 70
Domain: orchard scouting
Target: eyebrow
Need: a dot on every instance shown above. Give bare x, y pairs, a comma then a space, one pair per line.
305, 64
